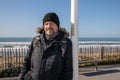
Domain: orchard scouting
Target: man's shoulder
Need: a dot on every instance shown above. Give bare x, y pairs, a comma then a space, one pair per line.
69, 40
36, 38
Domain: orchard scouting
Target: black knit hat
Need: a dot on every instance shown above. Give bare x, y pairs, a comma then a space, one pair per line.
51, 17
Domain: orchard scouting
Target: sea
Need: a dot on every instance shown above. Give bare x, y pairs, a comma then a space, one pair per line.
25, 42
16, 42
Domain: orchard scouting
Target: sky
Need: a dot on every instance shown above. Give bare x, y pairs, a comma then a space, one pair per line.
97, 18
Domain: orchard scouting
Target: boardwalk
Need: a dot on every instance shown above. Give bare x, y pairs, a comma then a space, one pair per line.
107, 72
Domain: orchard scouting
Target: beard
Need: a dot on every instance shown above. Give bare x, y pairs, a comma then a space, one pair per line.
51, 32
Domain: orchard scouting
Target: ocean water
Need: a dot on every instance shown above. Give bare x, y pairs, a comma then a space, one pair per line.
15, 42
14, 39
23, 42
20, 39
99, 39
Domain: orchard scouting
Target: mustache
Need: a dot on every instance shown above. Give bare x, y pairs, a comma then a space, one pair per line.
49, 28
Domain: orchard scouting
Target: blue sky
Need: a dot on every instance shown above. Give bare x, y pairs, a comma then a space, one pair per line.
97, 18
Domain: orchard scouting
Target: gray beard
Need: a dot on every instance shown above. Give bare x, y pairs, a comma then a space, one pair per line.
48, 37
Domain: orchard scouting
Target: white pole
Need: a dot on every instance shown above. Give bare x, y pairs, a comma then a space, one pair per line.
74, 36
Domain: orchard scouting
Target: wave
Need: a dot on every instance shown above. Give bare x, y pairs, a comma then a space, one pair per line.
99, 42
14, 44
80, 43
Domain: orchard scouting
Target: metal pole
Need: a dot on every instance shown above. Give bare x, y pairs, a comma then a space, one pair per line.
74, 36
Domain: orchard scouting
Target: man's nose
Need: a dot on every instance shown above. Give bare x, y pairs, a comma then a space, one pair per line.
49, 25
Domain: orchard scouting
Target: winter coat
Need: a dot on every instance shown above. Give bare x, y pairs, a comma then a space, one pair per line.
45, 60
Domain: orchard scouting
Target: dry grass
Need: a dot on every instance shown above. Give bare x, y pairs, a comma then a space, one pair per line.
98, 56
6, 62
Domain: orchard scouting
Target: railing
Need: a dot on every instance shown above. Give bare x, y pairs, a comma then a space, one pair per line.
12, 57
99, 52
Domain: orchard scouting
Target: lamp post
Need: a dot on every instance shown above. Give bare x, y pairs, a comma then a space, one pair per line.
74, 36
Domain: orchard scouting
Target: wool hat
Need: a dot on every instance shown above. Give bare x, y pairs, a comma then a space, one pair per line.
51, 17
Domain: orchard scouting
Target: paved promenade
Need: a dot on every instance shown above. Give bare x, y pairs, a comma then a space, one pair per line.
106, 72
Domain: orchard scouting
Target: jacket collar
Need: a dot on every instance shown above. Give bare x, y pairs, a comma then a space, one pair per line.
62, 32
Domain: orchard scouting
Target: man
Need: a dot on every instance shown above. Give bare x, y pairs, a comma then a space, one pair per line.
50, 54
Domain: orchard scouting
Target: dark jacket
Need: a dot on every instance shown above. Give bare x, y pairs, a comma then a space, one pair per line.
44, 60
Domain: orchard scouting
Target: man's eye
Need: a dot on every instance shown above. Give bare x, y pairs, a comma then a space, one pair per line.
46, 24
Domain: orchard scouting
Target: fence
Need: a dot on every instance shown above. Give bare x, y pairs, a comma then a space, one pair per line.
98, 52
13, 57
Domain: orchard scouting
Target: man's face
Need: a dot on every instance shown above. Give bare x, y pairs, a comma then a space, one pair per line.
50, 28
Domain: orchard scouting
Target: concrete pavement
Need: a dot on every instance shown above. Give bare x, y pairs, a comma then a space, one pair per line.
106, 72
